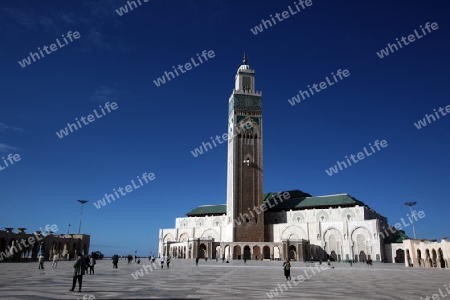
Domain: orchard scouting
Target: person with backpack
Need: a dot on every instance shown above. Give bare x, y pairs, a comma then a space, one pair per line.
287, 269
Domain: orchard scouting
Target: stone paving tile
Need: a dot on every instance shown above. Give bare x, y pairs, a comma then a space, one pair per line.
222, 281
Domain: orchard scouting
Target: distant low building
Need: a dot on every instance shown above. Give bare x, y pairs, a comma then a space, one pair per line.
20, 245
421, 253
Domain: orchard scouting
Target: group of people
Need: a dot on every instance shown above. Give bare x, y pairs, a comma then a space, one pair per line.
165, 260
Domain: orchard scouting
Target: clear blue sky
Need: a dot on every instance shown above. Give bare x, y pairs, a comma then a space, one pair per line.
155, 128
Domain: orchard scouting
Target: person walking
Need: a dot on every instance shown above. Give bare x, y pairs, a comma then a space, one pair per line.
168, 262
41, 262
115, 261
92, 263
196, 261
287, 269
78, 271
55, 261
87, 262
162, 262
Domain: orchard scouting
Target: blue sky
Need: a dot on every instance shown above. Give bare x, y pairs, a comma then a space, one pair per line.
154, 128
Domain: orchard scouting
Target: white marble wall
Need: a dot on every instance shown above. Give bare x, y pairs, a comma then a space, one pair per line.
346, 231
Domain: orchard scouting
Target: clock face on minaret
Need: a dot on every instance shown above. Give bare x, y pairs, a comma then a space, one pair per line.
245, 163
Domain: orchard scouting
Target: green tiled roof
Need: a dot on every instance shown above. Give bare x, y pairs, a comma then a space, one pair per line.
293, 194
397, 237
312, 202
208, 210
298, 200
401, 236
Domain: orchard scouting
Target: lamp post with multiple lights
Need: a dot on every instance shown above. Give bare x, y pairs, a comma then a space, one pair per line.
411, 204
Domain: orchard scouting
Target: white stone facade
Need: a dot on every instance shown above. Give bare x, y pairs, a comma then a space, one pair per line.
342, 233
421, 253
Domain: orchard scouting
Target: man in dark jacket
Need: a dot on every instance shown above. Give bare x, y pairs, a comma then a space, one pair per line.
78, 271
115, 261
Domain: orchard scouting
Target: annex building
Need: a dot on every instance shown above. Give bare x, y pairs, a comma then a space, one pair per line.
275, 225
22, 246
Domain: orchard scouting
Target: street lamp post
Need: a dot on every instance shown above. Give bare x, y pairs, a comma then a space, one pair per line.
411, 204
81, 214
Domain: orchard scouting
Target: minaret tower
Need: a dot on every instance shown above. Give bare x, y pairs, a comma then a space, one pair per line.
245, 161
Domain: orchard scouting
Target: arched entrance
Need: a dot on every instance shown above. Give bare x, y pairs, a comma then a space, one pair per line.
400, 256
441, 258
362, 256
226, 253
434, 258
428, 262
276, 252
237, 252
247, 252
266, 252
256, 253
292, 252
202, 251
218, 252
419, 257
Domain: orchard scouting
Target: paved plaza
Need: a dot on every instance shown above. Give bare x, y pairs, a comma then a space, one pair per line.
217, 280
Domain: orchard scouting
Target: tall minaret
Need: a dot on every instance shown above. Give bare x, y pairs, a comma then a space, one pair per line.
245, 161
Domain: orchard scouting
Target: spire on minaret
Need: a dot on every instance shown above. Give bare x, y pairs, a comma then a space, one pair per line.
244, 62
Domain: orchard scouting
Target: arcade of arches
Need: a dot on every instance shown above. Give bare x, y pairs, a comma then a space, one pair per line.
14, 245
413, 253
422, 253
202, 248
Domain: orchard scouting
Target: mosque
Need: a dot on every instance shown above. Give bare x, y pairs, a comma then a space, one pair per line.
294, 224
